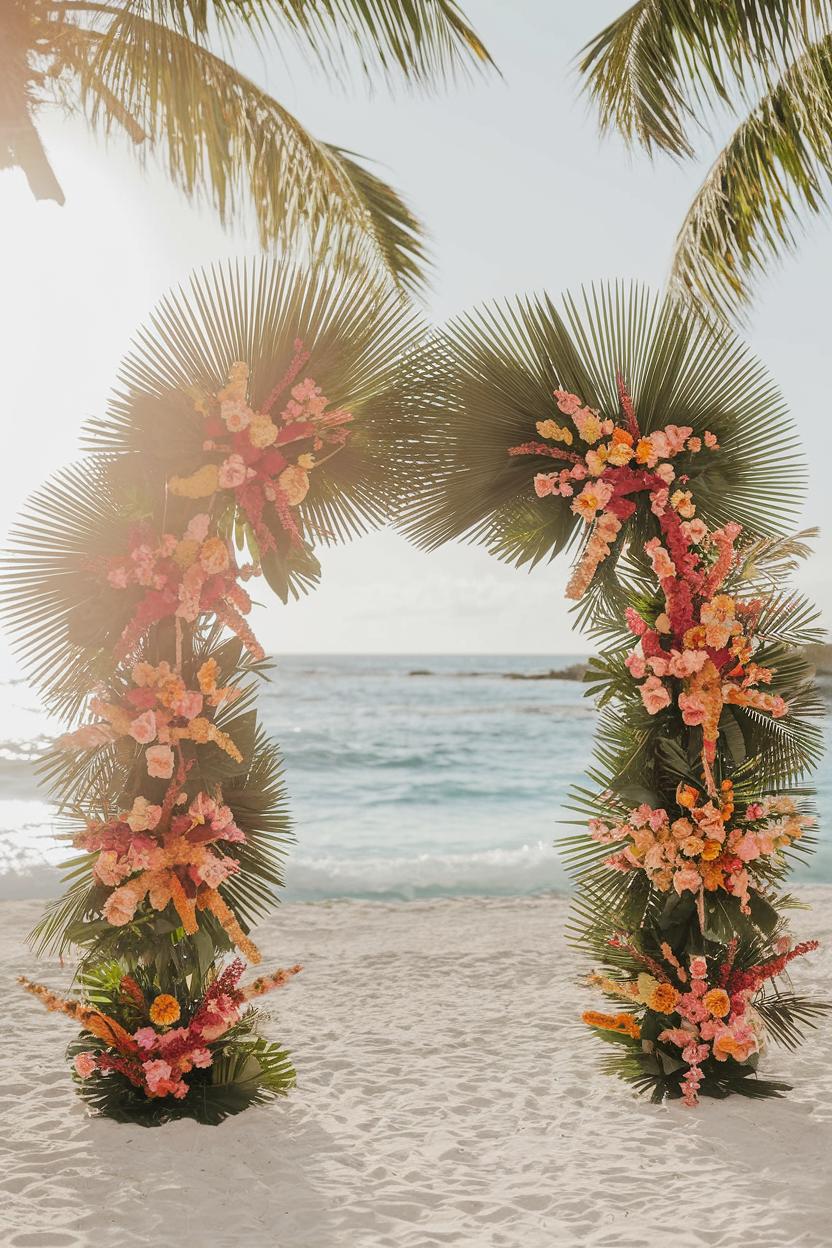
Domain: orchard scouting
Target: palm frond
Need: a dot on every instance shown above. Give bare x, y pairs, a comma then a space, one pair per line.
225, 139
772, 175
493, 372
654, 70
358, 333
425, 43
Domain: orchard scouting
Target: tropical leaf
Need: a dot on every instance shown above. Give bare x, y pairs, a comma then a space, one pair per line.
357, 333
493, 373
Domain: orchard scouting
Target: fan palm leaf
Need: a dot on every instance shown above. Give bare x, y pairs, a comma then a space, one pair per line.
494, 371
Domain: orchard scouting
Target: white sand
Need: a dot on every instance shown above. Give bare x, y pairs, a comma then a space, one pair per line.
445, 1096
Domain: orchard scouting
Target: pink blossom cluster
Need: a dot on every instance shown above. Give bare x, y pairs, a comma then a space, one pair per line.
135, 864
703, 849
162, 1057
181, 577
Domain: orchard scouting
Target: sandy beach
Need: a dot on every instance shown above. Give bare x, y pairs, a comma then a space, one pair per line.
445, 1096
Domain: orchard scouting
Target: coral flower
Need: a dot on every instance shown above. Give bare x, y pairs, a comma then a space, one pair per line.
85, 1064
654, 695
159, 761
164, 1010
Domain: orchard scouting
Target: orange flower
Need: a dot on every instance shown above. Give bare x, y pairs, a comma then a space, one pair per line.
711, 851
625, 1024
717, 1002
207, 676
663, 999
164, 1010
686, 796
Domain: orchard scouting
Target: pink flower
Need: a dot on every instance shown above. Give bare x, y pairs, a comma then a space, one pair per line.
754, 811
711, 440
695, 531
159, 761
156, 1073
189, 705
198, 527
143, 815
143, 728
546, 483
214, 870
658, 502
201, 1057
698, 967
141, 853
636, 665
693, 709
120, 906
658, 664
687, 880
233, 472
145, 1037
108, 869
567, 402
675, 1035
117, 577
659, 558
85, 1064
654, 695
666, 473
634, 622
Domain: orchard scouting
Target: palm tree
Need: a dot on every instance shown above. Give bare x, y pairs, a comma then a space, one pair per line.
656, 72
147, 68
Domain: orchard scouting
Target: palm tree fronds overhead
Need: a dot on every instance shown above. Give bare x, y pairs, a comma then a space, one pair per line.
653, 69
148, 68
773, 173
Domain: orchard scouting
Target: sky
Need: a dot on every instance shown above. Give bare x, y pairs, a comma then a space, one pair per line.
519, 193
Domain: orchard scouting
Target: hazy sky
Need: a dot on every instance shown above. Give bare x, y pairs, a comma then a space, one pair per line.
519, 194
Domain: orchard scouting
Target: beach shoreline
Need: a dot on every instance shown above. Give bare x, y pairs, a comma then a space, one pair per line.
447, 1094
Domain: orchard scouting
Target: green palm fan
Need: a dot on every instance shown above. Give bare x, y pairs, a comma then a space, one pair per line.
493, 372
355, 335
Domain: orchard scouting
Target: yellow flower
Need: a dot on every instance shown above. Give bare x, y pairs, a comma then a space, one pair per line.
306, 461
711, 850
294, 482
717, 1002
164, 1010
199, 484
647, 985
186, 552
555, 432
262, 432
663, 999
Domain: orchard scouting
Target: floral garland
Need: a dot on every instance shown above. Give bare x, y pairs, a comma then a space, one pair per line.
153, 1054
697, 1025
257, 460
695, 1021
615, 473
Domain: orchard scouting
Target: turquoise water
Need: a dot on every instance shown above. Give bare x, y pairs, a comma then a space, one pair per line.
409, 776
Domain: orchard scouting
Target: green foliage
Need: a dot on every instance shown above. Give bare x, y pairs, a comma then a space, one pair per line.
493, 372
150, 71
657, 71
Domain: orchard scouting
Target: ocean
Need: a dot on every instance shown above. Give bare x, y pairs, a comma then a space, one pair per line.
409, 776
